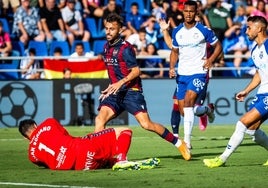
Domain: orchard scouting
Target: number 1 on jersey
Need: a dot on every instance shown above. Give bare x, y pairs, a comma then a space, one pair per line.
47, 149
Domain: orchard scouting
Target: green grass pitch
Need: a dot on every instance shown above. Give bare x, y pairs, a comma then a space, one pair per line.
243, 170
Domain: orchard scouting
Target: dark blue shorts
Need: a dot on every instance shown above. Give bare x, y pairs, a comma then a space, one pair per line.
129, 100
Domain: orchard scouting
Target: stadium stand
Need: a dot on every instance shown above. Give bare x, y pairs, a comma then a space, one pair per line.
64, 45
86, 46
40, 47
92, 27
98, 46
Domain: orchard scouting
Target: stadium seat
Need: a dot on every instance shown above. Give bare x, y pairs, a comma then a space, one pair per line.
92, 26
40, 47
5, 25
86, 46
64, 45
18, 46
15, 64
98, 46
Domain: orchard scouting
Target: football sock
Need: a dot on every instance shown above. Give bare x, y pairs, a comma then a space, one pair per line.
234, 141
168, 136
201, 110
175, 119
261, 138
188, 124
123, 144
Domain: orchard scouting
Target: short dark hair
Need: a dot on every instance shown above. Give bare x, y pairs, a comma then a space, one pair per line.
57, 50
66, 69
32, 50
191, 3
26, 125
134, 4
258, 19
113, 17
79, 44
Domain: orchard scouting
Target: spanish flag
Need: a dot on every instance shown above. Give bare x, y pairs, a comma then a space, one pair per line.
53, 68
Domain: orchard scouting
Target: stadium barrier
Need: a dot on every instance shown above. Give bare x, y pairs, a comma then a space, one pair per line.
40, 99
12, 70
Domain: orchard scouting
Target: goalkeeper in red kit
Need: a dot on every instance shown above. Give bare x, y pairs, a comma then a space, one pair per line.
51, 146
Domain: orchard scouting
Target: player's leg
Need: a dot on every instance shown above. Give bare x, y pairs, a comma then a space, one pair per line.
135, 104
204, 112
175, 118
108, 109
145, 122
104, 115
188, 110
250, 119
203, 118
123, 141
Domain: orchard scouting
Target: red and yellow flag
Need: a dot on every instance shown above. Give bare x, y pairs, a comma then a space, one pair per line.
53, 68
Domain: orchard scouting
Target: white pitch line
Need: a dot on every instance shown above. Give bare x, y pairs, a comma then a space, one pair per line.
11, 139
41, 185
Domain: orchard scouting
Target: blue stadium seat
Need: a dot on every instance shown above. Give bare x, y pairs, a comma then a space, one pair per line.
5, 25
18, 46
64, 45
40, 47
98, 46
86, 46
15, 64
92, 26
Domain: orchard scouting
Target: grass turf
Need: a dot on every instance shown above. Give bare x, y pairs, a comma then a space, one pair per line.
243, 170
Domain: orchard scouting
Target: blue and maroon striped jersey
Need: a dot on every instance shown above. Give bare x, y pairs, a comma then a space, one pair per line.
119, 59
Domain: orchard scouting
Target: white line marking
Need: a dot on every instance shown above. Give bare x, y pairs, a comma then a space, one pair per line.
42, 185
11, 139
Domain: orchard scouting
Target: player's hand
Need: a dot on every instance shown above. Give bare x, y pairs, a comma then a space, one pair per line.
172, 73
111, 89
163, 24
207, 64
241, 96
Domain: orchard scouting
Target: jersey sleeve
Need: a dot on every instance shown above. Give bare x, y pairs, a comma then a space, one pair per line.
130, 57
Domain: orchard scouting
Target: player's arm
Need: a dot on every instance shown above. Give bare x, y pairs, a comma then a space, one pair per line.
173, 61
256, 80
216, 53
165, 30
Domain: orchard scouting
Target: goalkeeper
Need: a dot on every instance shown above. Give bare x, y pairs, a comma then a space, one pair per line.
51, 146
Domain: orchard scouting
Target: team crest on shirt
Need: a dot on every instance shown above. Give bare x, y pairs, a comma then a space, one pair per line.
265, 101
115, 52
195, 36
261, 55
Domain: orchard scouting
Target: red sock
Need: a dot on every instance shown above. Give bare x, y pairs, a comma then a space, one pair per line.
123, 144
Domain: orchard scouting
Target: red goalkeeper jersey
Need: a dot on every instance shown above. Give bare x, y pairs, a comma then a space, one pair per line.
53, 147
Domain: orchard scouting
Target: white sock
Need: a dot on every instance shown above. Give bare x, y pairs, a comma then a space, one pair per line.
261, 138
188, 124
235, 140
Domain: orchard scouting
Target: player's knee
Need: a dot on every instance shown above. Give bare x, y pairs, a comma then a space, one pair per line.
146, 125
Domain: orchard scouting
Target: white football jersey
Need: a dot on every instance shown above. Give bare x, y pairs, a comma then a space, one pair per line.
192, 44
259, 56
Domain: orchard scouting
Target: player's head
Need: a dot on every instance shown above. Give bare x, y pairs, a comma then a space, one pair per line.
113, 27
190, 11
256, 25
26, 126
